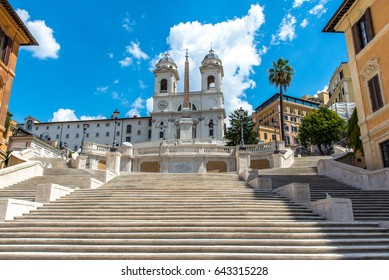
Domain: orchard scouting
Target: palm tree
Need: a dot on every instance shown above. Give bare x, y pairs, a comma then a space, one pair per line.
281, 76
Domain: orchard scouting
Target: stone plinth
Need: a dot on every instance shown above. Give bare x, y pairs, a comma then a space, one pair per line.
243, 160
334, 209
297, 192
261, 183
10, 208
81, 162
51, 192
186, 125
113, 162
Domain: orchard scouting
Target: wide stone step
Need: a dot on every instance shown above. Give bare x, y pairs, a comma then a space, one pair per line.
188, 256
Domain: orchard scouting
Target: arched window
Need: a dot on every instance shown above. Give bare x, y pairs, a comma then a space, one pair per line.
163, 85
29, 125
210, 126
191, 107
211, 82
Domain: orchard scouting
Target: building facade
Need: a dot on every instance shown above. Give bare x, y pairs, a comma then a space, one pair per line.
13, 34
206, 113
365, 24
267, 117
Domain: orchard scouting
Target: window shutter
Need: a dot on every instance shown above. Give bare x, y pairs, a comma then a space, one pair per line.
8, 51
357, 38
369, 25
373, 99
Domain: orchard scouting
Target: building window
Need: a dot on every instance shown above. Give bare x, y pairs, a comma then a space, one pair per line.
5, 47
150, 122
296, 140
294, 128
77, 135
211, 82
67, 136
139, 122
98, 125
36, 128
162, 135
97, 134
107, 124
286, 117
75, 147
362, 31
138, 132
68, 126
107, 134
341, 74
385, 152
47, 127
117, 133
149, 134
375, 93
129, 128
58, 127
128, 139
29, 125
57, 136
293, 119
265, 136
163, 85
78, 126
287, 127
87, 135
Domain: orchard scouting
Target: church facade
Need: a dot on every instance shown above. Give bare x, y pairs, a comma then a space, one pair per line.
176, 116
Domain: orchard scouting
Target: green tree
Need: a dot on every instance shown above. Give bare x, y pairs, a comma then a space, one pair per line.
281, 76
321, 127
233, 133
353, 133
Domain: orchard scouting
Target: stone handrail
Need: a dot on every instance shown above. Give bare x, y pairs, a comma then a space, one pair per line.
354, 176
20, 172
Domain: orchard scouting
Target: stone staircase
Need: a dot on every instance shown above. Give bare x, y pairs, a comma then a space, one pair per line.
184, 216
59, 174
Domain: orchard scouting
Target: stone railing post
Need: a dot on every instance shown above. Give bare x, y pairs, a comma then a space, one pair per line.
113, 162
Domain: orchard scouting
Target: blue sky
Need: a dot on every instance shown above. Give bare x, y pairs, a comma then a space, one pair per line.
96, 56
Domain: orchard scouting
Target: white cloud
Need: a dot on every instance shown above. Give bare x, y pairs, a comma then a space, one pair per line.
234, 41
319, 9
127, 61
135, 51
298, 3
128, 24
287, 30
149, 105
110, 55
116, 82
325, 88
48, 46
136, 107
88, 118
304, 23
142, 85
63, 115
102, 89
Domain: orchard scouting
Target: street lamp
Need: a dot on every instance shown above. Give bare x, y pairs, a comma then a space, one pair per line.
276, 151
84, 128
241, 112
114, 116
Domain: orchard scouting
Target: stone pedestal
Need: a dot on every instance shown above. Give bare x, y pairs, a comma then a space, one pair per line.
186, 125
51, 192
261, 183
81, 162
243, 160
297, 192
334, 209
113, 162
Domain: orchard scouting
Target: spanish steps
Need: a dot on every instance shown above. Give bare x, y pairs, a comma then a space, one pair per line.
182, 216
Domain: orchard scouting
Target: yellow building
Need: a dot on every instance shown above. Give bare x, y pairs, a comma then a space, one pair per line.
340, 87
365, 24
267, 116
13, 34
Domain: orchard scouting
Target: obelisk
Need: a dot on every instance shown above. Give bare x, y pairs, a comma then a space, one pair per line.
186, 122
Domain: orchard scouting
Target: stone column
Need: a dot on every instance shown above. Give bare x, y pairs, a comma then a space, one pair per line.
113, 162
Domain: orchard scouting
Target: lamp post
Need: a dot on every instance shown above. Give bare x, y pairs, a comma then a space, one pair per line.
114, 116
276, 151
241, 113
84, 128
